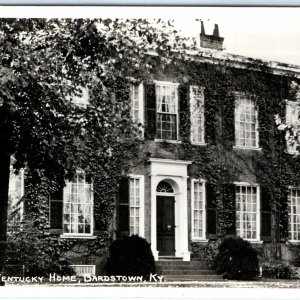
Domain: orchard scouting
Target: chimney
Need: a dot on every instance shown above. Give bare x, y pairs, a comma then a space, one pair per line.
213, 41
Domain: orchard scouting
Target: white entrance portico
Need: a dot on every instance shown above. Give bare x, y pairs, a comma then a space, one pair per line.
175, 173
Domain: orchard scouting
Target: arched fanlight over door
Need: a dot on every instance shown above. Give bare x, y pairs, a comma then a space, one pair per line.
164, 187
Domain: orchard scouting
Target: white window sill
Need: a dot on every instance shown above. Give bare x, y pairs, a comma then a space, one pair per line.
293, 242
293, 152
254, 241
168, 141
247, 148
87, 237
196, 240
198, 144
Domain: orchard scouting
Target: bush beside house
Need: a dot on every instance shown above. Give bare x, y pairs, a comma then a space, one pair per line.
130, 256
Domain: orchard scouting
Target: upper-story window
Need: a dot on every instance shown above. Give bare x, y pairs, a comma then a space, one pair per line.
292, 118
166, 110
137, 104
294, 214
246, 124
197, 114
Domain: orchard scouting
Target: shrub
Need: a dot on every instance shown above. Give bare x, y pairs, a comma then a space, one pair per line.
279, 270
130, 256
236, 259
30, 253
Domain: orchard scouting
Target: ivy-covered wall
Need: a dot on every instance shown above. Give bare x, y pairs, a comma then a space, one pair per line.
219, 162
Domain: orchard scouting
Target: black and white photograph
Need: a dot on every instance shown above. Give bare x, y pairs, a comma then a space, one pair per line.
150, 147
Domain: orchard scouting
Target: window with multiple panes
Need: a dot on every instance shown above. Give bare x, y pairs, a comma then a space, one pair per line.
197, 114
246, 125
134, 205
198, 210
135, 103
166, 110
292, 118
78, 207
247, 211
294, 214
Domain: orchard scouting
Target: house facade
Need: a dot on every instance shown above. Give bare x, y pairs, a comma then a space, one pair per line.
212, 163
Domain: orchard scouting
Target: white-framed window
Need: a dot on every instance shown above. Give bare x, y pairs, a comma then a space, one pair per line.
166, 110
15, 193
246, 122
292, 118
137, 104
294, 214
247, 211
198, 209
78, 207
136, 205
197, 114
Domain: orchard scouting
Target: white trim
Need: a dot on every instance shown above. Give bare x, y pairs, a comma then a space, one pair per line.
242, 183
170, 161
168, 141
247, 148
167, 83
140, 91
176, 173
195, 109
258, 209
203, 182
142, 202
290, 222
237, 102
79, 235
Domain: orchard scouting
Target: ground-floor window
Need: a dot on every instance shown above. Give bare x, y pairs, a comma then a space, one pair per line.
198, 209
135, 205
294, 214
78, 206
247, 211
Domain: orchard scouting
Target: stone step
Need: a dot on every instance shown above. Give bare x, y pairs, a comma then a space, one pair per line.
181, 263
187, 267
186, 272
193, 278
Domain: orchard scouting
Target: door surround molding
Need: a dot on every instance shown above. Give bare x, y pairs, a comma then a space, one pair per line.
174, 172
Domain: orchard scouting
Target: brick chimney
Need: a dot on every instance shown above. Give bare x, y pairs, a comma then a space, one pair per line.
213, 41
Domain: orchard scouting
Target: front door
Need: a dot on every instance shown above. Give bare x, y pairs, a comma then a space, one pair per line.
165, 225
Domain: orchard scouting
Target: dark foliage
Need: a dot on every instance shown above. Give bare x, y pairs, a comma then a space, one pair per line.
278, 270
236, 259
130, 256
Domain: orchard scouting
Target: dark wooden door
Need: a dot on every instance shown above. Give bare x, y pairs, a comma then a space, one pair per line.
165, 225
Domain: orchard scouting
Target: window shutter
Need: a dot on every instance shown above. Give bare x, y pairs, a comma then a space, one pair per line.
283, 215
210, 119
265, 217
228, 124
123, 212
56, 212
230, 210
150, 105
184, 113
211, 212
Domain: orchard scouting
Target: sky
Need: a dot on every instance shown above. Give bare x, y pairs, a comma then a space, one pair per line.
261, 32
